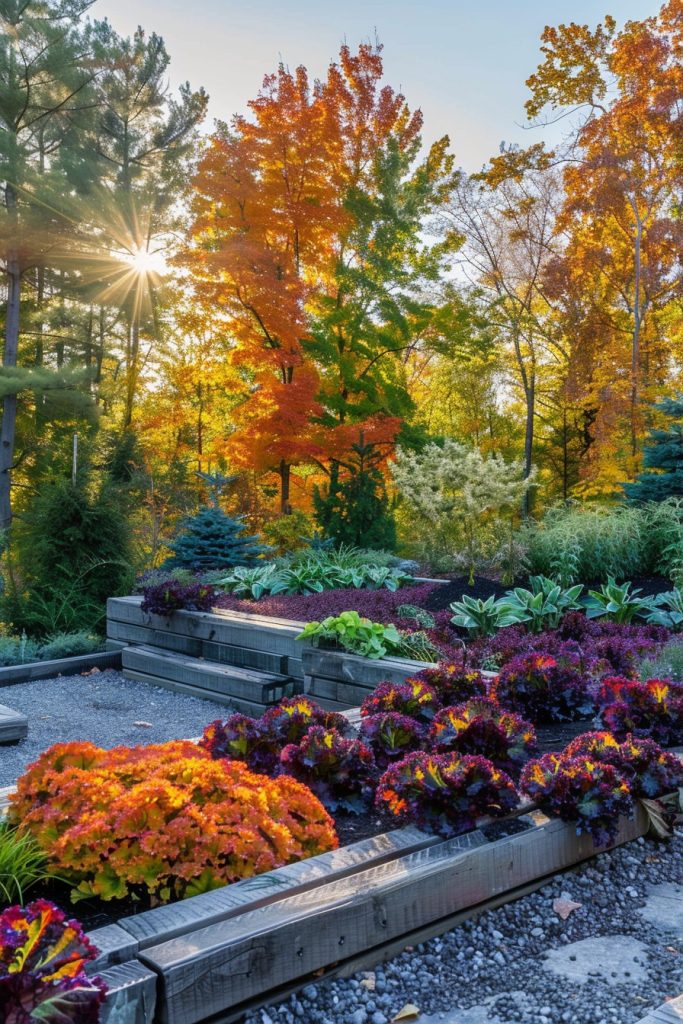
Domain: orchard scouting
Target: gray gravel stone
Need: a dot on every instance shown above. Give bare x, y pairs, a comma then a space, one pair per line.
103, 708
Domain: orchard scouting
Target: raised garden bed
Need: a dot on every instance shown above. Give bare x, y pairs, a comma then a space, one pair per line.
214, 956
11, 674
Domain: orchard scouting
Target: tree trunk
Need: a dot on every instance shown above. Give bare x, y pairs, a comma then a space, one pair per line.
9, 405
131, 371
284, 471
635, 347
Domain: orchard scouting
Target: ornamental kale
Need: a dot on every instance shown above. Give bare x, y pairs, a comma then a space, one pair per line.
650, 771
541, 689
259, 741
482, 726
173, 595
412, 697
339, 771
453, 683
581, 790
42, 968
653, 709
390, 736
445, 793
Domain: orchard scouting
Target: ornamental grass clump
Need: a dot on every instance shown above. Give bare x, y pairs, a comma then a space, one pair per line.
412, 697
341, 772
42, 968
452, 682
581, 790
164, 821
445, 793
647, 710
542, 689
391, 736
481, 726
649, 771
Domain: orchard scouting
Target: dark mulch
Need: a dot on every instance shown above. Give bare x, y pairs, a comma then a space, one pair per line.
443, 593
553, 738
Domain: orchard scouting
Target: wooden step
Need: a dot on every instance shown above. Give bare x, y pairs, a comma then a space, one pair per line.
260, 688
13, 725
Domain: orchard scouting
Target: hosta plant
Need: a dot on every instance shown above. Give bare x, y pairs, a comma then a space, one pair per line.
618, 603
667, 610
581, 790
390, 736
481, 618
542, 689
42, 968
650, 771
452, 682
445, 793
651, 709
543, 605
341, 772
412, 697
482, 726
164, 820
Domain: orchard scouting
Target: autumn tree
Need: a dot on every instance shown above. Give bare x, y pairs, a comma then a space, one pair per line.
621, 261
306, 233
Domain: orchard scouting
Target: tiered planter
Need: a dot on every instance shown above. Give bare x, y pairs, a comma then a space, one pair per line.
247, 661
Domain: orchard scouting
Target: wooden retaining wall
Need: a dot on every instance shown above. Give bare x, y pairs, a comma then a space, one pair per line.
218, 954
198, 652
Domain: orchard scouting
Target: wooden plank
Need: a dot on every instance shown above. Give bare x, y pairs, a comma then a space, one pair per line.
163, 923
216, 967
352, 668
114, 945
348, 694
255, 632
668, 1013
13, 725
261, 688
232, 704
131, 998
12, 674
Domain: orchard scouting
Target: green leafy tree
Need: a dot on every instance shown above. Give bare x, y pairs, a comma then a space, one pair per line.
353, 508
456, 498
662, 458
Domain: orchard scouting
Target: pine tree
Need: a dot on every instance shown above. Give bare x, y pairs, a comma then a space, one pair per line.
212, 540
662, 457
355, 509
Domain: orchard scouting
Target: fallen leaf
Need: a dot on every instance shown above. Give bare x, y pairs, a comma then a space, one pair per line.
368, 981
409, 1012
94, 671
564, 907
144, 725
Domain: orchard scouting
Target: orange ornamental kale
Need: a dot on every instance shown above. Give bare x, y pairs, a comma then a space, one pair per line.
163, 821
542, 689
650, 771
42, 968
482, 726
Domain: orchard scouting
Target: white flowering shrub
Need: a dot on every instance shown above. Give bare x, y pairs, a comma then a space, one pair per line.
456, 500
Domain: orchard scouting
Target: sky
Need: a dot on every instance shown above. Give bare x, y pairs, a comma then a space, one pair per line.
463, 63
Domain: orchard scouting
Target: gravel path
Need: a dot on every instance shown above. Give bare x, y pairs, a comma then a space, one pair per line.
102, 707
615, 958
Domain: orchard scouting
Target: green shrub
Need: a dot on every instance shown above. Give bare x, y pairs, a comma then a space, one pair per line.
69, 645
289, 533
574, 544
353, 508
668, 664
66, 558
210, 539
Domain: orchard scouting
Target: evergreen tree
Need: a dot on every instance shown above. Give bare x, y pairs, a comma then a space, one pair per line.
354, 509
68, 556
212, 540
662, 458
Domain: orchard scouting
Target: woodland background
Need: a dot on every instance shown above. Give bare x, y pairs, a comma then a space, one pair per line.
280, 302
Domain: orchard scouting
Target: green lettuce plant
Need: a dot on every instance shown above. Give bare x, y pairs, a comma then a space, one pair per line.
355, 633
